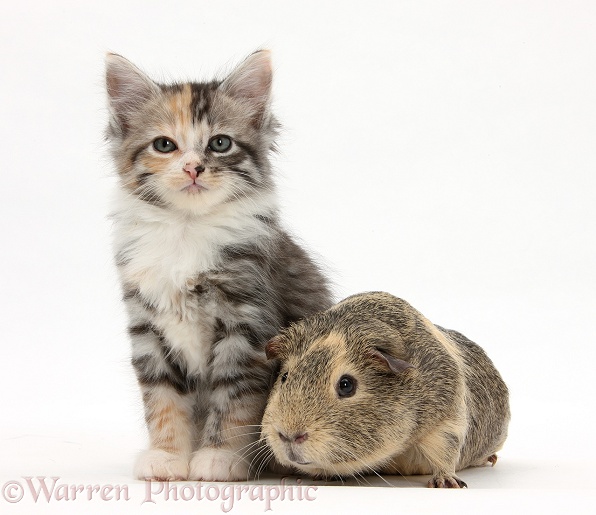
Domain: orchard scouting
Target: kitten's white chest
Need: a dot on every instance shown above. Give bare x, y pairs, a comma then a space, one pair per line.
161, 251
161, 254
162, 260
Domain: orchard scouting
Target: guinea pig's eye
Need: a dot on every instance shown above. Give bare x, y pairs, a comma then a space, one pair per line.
346, 386
164, 145
284, 376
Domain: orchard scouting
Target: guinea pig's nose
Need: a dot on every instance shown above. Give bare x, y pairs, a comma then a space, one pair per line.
300, 438
297, 438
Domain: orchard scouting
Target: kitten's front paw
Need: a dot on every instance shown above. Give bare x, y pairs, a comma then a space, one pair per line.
160, 465
209, 464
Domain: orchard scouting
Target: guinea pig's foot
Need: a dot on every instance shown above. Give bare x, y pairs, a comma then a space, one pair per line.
492, 459
446, 482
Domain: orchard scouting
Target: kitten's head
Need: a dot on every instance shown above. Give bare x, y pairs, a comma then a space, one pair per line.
192, 146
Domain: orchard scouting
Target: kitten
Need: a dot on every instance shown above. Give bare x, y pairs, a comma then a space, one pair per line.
208, 273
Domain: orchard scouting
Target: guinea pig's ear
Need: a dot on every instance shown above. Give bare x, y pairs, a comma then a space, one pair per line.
396, 365
274, 347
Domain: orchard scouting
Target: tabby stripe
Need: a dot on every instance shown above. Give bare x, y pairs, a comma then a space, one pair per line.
252, 153
174, 88
239, 378
137, 153
151, 197
244, 175
147, 375
265, 219
130, 294
201, 94
252, 335
134, 295
250, 253
121, 260
137, 330
142, 178
246, 387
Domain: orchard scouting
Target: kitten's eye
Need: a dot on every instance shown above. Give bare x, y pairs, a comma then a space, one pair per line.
164, 145
220, 143
346, 386
284, 376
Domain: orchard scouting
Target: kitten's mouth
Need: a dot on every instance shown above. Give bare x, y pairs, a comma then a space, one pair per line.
194, 188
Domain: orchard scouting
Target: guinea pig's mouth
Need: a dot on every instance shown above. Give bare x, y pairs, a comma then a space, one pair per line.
296, 458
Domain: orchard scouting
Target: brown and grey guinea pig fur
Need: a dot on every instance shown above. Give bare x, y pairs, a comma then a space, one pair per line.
371, 385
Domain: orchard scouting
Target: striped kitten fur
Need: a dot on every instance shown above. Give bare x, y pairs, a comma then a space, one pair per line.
208, 274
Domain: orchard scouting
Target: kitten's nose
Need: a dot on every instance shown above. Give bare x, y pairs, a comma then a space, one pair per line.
193, 169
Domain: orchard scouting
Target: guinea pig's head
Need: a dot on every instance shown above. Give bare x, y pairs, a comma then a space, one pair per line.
342, 402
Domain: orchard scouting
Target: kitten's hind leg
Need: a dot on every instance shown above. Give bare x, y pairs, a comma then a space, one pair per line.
168, 416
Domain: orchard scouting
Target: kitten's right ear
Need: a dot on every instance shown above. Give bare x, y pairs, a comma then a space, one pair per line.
128, 88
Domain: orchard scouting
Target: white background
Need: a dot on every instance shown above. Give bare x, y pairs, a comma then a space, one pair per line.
442, 151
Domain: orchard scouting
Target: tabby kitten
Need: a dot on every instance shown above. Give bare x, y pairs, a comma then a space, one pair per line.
208, 273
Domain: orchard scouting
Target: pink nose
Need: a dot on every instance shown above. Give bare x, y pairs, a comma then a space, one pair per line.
193, 169
297, 438
301, 438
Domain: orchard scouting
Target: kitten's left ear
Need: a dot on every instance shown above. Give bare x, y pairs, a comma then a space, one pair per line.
251, 81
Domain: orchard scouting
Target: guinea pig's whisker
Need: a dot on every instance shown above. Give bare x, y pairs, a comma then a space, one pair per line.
265, 463
246, 451
338, 475
376, 473
359, 460
357, 477
365, 478
262, 459
360, 477
241, 426
252, 450
241, 435
255, 448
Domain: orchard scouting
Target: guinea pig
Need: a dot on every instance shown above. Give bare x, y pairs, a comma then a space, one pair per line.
372, 386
